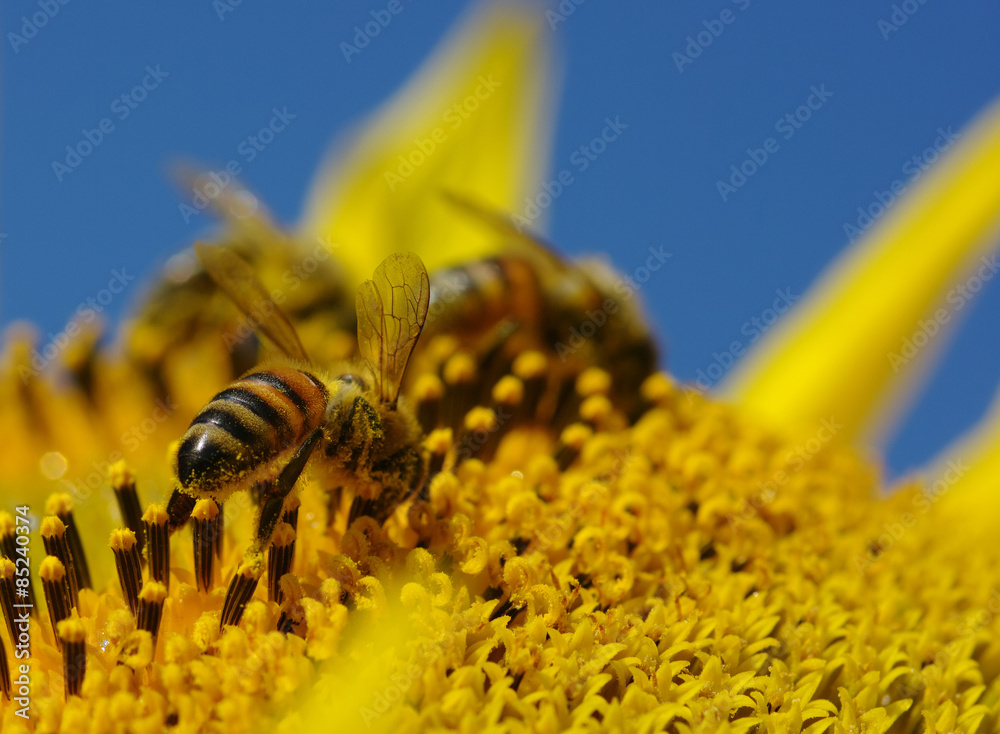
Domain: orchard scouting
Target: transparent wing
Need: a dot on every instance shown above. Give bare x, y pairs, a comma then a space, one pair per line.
518, 242
392, 309
236, 278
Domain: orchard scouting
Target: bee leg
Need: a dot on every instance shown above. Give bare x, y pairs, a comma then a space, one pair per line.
179, 508
273, 502
401, 475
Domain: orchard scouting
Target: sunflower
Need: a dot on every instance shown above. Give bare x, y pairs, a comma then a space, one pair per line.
696, 564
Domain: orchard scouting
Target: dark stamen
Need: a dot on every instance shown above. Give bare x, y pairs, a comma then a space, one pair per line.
154, 523
151, 608
459, 374
61, 505
571, 442
8, 547
241, 589
123, 483
7, 572
53, 534
428, 392
129, 564
279, 559
52, 572
73, 636
532, 369
205, 517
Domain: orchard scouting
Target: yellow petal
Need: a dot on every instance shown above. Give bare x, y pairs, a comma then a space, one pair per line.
842, 352
963, 481
474, 120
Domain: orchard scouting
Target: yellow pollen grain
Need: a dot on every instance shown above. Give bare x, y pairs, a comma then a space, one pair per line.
439, 441
480, 419
7, 568
596, 409
59, 503
428, 387
153, 592
72, 630
576, 435
155, 514
205, 510
530, 365
460, 368
593, 381
509, 390
51, 569
122, 540
284, 535
6, 524
119, 475
657, 388
52, 527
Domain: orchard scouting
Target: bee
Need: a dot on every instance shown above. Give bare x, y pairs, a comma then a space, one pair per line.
580, 312
264, 427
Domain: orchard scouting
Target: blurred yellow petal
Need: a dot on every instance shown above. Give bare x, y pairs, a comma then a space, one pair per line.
963, 481
862, 340
473, 119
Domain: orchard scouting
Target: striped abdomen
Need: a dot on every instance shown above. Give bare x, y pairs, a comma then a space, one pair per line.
247, 425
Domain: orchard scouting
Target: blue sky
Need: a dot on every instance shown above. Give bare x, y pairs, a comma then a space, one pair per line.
698, 85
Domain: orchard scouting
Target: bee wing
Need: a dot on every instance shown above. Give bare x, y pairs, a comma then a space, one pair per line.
236, 278
521, 244
392, 309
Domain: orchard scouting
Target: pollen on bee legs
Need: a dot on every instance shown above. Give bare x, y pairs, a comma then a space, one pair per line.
53, 534
154, 523
241, 588
279, 559
52, 572
73, 636
129, 565
151, 608
571, 442
7, 573
204, 515
123, 483
61, 505
8, 547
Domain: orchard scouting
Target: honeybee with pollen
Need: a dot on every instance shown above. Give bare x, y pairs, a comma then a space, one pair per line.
351, 423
